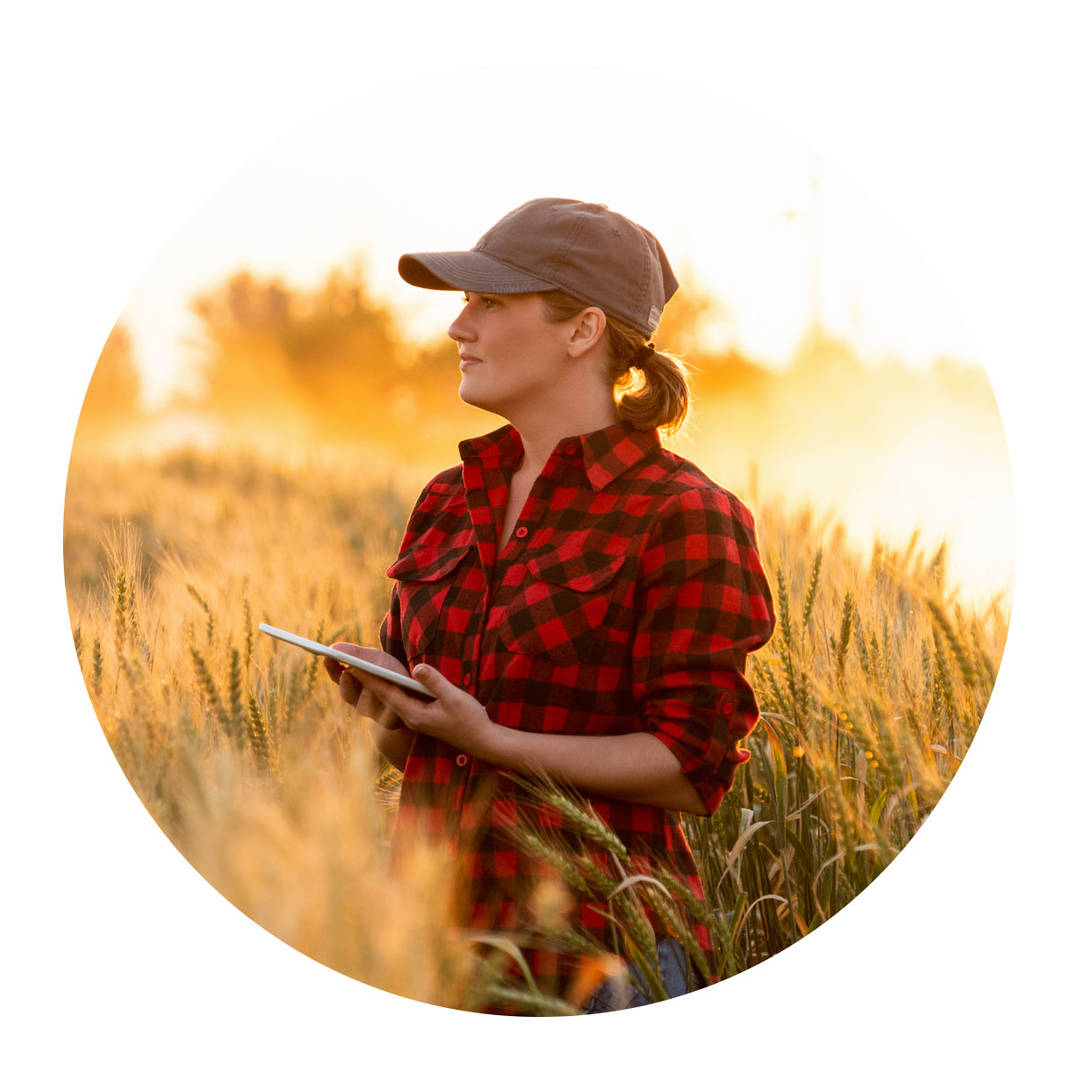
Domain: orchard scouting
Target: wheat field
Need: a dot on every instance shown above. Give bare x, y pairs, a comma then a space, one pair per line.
871, 691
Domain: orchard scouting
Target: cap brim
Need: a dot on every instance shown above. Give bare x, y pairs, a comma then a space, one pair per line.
470, 270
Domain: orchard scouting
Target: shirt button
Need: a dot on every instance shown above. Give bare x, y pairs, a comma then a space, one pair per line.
462, 760
727, 708
521, 532
572, 450
468, 679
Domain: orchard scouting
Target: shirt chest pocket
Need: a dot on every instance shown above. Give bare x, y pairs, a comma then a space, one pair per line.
427, 581
564, 609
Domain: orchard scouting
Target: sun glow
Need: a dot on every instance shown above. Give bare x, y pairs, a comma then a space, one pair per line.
816, 330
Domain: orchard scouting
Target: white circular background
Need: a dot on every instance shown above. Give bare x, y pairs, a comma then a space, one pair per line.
120, 123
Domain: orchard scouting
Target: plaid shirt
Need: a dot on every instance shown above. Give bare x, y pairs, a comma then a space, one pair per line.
625, 600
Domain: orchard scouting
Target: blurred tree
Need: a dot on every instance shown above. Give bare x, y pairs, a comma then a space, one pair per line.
698, 326
329, 361
694, 320
112, 398
330, 364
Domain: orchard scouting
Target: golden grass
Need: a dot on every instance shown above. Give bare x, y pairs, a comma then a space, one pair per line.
871, 691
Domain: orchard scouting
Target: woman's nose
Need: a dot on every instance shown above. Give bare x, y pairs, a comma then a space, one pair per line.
460, 329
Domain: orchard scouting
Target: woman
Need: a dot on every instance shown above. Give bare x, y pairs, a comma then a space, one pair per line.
579, 600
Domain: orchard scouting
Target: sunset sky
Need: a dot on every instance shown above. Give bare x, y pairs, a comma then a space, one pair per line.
770, 228
766, 224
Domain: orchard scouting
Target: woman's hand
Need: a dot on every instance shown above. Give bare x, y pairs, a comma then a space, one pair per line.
635, 767
351, 689
455, 716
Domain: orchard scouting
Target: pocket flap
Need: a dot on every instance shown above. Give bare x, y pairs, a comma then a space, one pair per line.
578, 569
427, 562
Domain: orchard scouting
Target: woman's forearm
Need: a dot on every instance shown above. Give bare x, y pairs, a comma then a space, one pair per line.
636, 767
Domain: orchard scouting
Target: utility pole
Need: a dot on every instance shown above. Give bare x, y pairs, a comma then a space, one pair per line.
813, 248
811, 219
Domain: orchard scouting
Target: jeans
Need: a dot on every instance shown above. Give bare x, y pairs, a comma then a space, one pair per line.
674, 972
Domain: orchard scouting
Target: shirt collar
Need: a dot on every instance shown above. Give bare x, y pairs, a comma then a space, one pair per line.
499, 447
605, 453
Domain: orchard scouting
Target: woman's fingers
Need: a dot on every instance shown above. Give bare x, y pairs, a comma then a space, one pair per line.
349, 688
383, 689
371, 655
362, 690
353, 692
396, 700
352, 649
334, 668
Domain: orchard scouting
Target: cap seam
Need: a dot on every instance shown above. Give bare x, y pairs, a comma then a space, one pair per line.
557, 260
495, 258
514, 266
643, 276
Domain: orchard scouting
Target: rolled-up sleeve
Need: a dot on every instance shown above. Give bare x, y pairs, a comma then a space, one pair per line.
703, 603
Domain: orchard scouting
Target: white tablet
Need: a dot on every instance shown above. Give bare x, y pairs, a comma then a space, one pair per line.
346, 658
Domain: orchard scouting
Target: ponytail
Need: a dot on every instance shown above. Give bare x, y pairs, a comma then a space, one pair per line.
651, 389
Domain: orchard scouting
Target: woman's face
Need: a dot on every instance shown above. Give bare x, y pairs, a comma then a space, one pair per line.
512, 357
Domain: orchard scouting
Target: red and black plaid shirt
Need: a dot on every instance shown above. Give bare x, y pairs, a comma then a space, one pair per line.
625, 600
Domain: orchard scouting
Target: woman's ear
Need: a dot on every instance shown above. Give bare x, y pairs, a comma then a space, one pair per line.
588, 329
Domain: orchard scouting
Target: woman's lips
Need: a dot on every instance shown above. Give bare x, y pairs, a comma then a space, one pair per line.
468, 361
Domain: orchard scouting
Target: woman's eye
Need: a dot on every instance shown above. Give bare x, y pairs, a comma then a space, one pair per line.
487, 301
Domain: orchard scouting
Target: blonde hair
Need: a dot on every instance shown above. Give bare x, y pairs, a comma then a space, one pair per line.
651, 390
